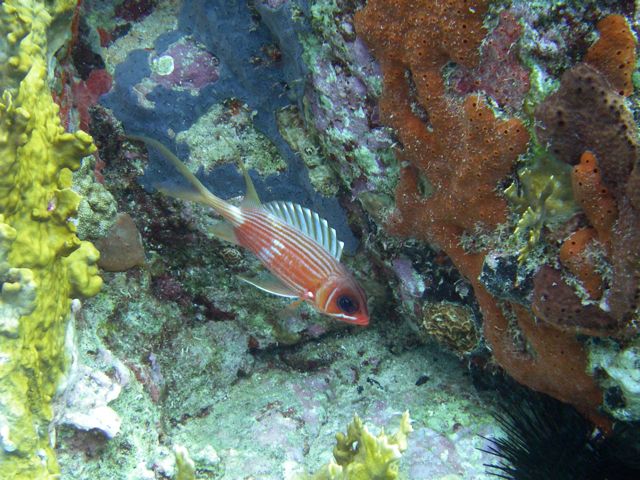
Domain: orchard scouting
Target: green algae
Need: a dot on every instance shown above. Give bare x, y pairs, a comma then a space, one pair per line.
293, 130
542, 195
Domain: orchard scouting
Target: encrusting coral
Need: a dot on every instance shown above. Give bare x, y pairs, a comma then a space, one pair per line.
359, 455
43, 264
451, 324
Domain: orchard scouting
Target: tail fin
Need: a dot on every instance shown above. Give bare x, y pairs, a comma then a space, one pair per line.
198, 193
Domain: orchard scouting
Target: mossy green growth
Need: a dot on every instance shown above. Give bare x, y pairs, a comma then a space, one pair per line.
185, 468
293, 130
359, 455
542, 196
226, 133
43, 265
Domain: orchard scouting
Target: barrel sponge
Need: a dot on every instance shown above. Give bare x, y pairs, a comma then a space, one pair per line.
43, 265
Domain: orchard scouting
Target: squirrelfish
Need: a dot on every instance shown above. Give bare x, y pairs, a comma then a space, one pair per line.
297, 247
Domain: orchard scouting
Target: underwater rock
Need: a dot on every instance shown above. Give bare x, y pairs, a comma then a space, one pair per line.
249, 70
620, 364
184, 65
215, 355
85, 402
499, 274
122, 248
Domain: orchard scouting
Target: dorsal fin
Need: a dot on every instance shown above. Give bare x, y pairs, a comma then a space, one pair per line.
309, 223
251, 198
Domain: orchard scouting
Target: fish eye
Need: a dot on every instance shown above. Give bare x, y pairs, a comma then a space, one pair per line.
347, 304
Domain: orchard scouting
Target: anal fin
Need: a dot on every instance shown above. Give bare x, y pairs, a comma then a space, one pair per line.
267, 282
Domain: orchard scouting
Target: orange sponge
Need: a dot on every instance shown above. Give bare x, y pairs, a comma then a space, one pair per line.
614, 54
573, 255
593, 197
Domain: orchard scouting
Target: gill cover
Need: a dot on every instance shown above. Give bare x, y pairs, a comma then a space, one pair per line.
343, 299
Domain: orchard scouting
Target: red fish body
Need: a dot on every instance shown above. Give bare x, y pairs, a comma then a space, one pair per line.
294, 244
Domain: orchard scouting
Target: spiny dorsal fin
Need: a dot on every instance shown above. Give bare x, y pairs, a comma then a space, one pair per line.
309, 223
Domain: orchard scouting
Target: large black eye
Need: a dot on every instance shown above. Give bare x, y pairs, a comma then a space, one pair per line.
347, 304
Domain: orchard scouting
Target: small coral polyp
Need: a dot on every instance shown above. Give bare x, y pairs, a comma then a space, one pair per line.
43, 265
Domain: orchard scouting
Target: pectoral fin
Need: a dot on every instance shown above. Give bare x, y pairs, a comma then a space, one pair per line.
224, 231
267, 282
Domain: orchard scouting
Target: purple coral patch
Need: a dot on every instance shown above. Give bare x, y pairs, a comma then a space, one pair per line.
185, 65
499, 73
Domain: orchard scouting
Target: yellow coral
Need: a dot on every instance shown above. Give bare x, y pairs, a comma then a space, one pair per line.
359, 455
185, 468
42, 263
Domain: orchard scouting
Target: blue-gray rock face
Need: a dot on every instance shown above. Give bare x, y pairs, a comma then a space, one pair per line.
259, 63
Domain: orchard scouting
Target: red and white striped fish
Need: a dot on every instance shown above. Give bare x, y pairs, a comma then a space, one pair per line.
297, 246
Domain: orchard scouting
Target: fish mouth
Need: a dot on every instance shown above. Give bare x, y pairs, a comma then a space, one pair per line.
350, 319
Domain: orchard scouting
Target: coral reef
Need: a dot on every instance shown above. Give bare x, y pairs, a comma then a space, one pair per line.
594, 198
614, 54
258, 63
576, 255
44, 265
557, 303
603, 138
409, 159
586, 114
